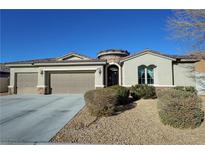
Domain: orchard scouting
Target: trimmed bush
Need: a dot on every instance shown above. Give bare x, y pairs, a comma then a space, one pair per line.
180, 109
142, 91
122, 94
101, 102
186, 88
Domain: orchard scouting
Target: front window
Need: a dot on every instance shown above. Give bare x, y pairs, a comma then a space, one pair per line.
141, 75
150, 75
146, 74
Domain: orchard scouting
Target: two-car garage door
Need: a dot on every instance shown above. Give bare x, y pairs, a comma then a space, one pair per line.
58, 82
76, 82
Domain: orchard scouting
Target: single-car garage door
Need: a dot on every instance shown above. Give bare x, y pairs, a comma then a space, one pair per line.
26, 83
66, 82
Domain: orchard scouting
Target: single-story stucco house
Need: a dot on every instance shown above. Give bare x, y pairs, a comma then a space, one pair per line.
76, 73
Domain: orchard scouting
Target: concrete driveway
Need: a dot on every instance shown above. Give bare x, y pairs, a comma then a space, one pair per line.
31, 119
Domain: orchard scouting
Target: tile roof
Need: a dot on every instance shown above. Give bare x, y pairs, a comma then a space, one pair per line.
32, 61
56, 60
177, 57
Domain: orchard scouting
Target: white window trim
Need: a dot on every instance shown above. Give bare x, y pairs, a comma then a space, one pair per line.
146, 75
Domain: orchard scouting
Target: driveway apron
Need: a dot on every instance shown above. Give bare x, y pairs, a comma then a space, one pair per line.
28, 119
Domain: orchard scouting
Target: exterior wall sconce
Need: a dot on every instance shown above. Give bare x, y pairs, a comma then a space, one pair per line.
99, 70
41, 72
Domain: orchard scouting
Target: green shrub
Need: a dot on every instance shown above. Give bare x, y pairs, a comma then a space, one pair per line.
180, 109
186, 88
122, 94
142, 91
101, 102
150, 92
137, 92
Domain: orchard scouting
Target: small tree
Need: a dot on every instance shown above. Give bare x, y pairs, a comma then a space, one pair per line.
188, 25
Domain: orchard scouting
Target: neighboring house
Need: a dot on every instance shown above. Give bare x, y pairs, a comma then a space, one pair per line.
75, 73
4, 78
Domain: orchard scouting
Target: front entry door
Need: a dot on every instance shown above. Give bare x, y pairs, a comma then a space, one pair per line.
113, 75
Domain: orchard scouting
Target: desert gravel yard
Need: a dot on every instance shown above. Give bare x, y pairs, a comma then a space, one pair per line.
138, 125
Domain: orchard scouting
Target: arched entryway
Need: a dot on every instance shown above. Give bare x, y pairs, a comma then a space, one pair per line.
112, 75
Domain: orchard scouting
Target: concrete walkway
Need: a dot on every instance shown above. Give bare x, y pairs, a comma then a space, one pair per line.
34, 119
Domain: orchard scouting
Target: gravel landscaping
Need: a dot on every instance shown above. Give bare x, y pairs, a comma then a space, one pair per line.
140, 124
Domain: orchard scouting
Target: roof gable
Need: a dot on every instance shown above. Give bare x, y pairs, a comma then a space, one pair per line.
73, 56
147, 51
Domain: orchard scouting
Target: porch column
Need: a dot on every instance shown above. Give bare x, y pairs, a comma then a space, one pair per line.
12, 82
120, 75
99, 77
42, 88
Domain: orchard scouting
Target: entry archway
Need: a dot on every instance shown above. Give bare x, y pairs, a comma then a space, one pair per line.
112, 75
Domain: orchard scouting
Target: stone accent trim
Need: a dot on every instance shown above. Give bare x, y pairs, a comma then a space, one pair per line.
42, 90
11, 90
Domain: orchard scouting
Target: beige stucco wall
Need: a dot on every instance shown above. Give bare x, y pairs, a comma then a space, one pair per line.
74, 58
42, 77
162, 72
184, 74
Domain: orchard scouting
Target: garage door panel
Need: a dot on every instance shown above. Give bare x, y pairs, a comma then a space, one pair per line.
72, 82
26, 90
26, 83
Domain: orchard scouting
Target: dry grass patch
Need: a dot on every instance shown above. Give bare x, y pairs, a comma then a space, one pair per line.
138, 125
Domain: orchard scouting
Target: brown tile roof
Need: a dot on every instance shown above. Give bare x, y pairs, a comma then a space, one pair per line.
32, 61
187, 58
174, 57
56, 60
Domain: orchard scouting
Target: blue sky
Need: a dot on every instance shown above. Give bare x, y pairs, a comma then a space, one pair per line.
33, 34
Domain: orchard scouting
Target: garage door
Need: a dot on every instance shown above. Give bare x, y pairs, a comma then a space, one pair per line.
26, 83
72, 82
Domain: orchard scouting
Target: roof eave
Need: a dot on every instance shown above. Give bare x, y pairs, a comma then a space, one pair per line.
189, 60
58, 64
73, 63
12, 64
